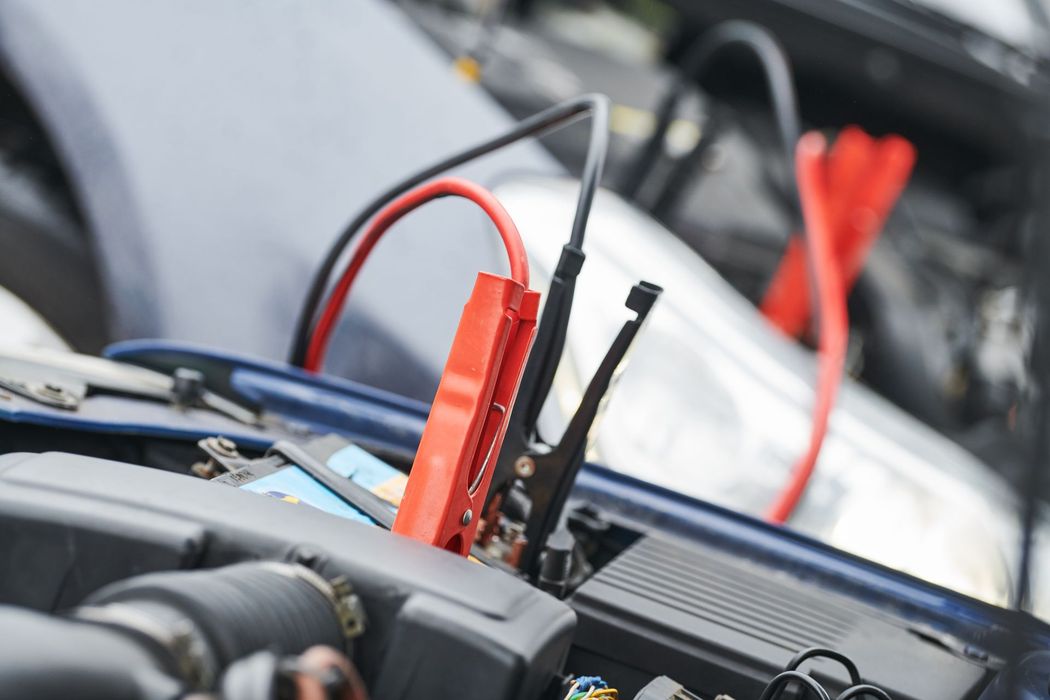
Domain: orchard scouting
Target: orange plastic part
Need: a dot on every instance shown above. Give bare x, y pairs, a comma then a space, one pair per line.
468, 420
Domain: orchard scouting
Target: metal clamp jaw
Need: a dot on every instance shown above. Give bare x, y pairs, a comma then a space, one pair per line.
556, 469
547, 474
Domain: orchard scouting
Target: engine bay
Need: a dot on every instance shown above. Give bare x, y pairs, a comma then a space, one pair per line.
183, 522
136, 544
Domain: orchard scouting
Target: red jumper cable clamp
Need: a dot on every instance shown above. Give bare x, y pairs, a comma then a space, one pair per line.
451, 473
866, 177
450, 476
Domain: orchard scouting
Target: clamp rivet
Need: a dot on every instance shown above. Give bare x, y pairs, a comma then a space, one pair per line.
468, 515
524, 466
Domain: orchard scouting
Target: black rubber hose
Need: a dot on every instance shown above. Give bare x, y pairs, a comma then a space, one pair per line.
236, 610
158, 636
597, 106
863, 689
685, 170
823, 653
48, 658
781, 681
775, 65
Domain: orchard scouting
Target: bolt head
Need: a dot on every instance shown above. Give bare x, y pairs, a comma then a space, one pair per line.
226, 446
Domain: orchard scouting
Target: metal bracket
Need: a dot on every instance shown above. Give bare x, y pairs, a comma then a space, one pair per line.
47, 393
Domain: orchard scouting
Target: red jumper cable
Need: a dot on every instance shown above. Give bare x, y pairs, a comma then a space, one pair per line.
387, 217
817, 211
450, 476
846, 198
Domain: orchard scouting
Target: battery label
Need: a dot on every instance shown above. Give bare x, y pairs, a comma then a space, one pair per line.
293, 485
370, 473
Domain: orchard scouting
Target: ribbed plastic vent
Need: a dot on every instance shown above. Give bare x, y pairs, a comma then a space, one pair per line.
718, 623
727, 592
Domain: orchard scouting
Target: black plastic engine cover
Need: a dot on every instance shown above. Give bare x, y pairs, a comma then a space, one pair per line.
70, 524
725, 625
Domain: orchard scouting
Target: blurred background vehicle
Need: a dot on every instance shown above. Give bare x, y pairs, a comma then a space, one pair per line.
196, 206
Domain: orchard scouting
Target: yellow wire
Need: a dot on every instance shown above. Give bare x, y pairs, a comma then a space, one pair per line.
594, 692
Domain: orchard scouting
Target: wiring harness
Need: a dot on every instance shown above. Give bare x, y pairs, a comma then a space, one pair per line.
584, 687
665, 688
857, 688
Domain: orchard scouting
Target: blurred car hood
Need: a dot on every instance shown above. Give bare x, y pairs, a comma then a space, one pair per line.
217, 149
24, 327
716, 404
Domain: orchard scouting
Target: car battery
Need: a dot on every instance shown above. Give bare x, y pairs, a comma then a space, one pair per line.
328, 473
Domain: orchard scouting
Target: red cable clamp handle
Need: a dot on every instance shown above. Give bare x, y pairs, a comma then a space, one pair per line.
867, 177
450, 476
